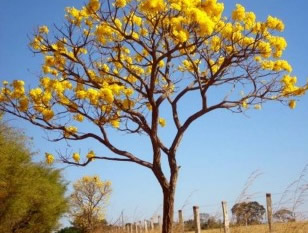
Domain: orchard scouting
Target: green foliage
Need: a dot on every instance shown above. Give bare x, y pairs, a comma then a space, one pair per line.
248, 212
210, 222
70, 230
31, 195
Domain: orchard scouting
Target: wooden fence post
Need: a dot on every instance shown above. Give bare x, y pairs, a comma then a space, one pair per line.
146, 226
181, 221
225, 216
129, 227
136, 227
269, 210
152, 224
197, 219
159, 223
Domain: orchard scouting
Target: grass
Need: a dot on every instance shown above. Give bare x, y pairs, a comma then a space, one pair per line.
294, 227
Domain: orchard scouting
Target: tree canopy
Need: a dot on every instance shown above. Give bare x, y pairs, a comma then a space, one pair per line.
284, 215
31, 195
116, 64
120, 65
248, 212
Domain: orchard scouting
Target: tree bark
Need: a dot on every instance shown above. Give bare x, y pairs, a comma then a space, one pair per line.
168, 204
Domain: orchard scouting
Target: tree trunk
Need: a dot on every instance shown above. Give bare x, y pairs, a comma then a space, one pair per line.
168, 206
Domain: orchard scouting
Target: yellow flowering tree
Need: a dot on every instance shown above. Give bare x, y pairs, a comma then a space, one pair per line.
88, 202
115, 64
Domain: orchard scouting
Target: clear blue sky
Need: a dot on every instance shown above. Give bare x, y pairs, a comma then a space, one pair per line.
218, 153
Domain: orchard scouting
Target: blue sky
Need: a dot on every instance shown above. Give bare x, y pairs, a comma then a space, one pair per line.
219, 151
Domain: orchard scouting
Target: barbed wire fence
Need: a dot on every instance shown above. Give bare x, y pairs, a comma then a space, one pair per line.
293, 200
191, 218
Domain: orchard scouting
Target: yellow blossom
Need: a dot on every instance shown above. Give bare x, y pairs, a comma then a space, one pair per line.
238, 13
120, 3
118, 23
250, 19
91, 155
107, 95
144, 32
43, 29
149, 106
78, 117
258, 106
48, 114
69, 130
161, 64
131, 79
49, 158
94, 5
153, 6
137, 20
162, 122
244, 104
81, 94
115, 123
274, 23
76, 157
23, 104
135, 35
292, 104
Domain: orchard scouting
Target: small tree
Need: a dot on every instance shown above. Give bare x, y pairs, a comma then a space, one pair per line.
284, 215
121, 65
88, 202
248, 212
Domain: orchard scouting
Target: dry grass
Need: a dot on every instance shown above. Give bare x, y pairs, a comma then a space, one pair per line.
293, 227
298, 227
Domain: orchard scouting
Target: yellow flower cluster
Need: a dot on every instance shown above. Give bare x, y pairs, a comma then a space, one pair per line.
18, 89
93, 6
162, 122
120, 3
153, 6
264, 48
17, 92
239, 13
278, 43
70, 130
91, 155
274, 23
206, 17
289, 87
49, 158
292, 104
277, 65
258, 106
81, 82
76, 16
244, 104
40, 98
76, 157
78, 117
43, 29
115, 122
